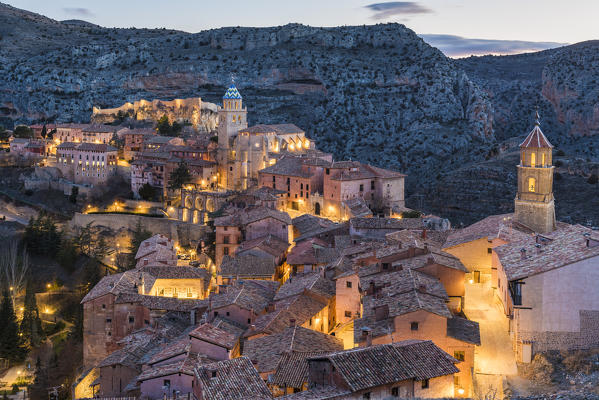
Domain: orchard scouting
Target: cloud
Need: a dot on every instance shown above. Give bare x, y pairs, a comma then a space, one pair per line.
394, 8
78, 11
457, 46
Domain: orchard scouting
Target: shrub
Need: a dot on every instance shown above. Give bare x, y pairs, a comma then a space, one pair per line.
411, 214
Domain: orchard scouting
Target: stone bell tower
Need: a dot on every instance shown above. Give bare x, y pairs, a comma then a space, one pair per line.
232, 117
534, 203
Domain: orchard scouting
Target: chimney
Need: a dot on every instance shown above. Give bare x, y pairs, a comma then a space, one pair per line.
292, 322
424, 234
371, 288
522, 253
422, 288
367, 336
411, 252
399, 245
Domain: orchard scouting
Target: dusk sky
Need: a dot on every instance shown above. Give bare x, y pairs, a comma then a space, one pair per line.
458, 27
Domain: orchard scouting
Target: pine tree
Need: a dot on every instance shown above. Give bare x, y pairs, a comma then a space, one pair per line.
179, 177
11, 346
101, 249
31, 324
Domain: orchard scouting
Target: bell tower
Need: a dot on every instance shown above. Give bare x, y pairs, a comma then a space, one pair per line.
232, 117
534, 203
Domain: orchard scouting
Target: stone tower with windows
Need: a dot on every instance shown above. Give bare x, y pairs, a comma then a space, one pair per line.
232, 117
534, 203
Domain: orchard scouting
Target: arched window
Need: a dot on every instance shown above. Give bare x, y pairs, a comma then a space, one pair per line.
531, 184
543, 160
533, 160
233, 118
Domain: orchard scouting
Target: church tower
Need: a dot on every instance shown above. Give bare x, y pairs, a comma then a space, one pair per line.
232, 117
534, 203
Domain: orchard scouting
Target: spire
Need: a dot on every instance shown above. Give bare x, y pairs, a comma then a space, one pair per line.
232, 93
536, 138
537, 117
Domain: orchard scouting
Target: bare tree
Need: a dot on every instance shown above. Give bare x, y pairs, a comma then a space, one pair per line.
12, 268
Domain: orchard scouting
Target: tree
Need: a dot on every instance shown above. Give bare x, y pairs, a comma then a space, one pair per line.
179, 177
4, 134
139, 235
117, 142
147, 192
23, 131
163, 126
11, 345
13, 268
101, 249
31, 324
74, 194
41, 235
67, 254
84, 236
44, 132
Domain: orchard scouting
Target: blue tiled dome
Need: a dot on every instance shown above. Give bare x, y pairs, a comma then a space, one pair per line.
232, 93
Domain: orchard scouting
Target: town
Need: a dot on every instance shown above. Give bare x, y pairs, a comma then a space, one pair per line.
249, 264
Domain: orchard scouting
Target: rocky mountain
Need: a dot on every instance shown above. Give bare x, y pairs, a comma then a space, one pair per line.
379, 93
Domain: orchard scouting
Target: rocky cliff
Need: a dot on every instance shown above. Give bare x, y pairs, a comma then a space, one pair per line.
379, 93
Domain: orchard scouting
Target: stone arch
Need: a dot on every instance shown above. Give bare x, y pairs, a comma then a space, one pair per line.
210, 205
199, 203
531, 184
187, 203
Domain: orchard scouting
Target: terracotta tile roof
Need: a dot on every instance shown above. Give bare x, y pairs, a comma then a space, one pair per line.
171, 350
266, 351
308, 223
354, 170
135, 347
123, 282
247, 266
269, 244
184, 366
312, 251
491, 227
386, 223
536, 139
279, 129
464, 329
370, 367
99, 128
564, 246
99, 147
231, 380
175, 272
227, 325
172, 303
319, 393
288, 166
358, 207
211, 334
332, 231
292, 369
153, 244
245, 296
299, 308
252, 214
312, 282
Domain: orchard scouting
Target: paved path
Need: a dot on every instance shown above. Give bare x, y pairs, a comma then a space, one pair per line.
12, 375
494, 358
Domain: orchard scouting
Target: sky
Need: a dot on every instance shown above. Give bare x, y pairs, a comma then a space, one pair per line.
457, 27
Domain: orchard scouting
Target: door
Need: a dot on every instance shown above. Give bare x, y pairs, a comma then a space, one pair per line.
476, 276
317, 209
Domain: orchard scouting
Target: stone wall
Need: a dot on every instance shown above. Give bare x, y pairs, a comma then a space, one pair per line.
181, 232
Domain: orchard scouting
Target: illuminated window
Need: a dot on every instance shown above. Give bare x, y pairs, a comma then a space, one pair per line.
531, 184
543, 160
533, 159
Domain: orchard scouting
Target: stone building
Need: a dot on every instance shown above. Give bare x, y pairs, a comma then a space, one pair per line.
69, 133
99, 134
134, 141
87, 163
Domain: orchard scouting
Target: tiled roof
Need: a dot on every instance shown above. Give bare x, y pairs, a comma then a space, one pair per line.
245, 296
175, 272
373, 366
319, 393
358, 207
65, 145
231, 380
288, 166
171, 350
99, 128
463, 329
299, 308
211, 334
270, 244
232, 93
253, 214
152, 244
292, 369
536, 139
278, 129
386, 223
228, 325
564, 246
135, 347
99, 147
115, 284
492, 227
313, 251
184, 366
307, 223
354, 170
312, 282
247, 266
172, 303
267, 350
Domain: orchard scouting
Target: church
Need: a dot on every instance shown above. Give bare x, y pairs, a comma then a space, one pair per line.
543, 271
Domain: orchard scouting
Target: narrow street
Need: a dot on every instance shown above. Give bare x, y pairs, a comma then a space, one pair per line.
494, 358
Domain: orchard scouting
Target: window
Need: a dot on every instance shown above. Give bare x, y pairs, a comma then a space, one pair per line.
216, 314
531, 184
226, 251
328, 171
543, 160
131, 320
108, 320
103, 306
489, 250
361, 187
226, 240
307, 187
249, 320
459, 355
214, 374
166, 383
372, 188
414, 326
228, 313
533, 159
348, 314
366, 395
425, 384
146, 322
395, 391
348, 284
